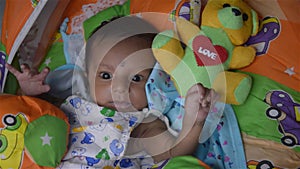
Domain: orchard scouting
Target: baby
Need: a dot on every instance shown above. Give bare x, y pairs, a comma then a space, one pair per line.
113, 127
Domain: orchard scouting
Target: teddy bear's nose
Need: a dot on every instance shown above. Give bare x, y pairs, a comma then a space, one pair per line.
236, 12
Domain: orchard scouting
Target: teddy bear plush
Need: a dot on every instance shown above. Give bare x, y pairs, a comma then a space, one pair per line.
211, 53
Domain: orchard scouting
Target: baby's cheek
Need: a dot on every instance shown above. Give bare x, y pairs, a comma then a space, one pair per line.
138, 99
102, 92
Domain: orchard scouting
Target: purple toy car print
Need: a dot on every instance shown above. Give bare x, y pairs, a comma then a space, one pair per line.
287, 113
268, 31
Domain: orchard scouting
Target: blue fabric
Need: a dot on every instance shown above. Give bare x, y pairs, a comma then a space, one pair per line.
223, 149
163, 96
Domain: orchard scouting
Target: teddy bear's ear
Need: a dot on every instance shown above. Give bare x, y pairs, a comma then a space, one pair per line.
255, 22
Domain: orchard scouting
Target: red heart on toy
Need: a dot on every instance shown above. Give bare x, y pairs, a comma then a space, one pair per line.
206, 53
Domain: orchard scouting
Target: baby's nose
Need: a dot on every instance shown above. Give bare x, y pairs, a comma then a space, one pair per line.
120, 89
120, 86
120, 92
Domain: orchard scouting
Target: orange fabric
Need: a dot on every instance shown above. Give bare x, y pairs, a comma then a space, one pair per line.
31, 108
151, 6
74, 9
162, 15
12, 26
283, 52
201, 163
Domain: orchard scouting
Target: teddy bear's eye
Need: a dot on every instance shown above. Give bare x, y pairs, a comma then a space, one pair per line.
245, 17
226, 5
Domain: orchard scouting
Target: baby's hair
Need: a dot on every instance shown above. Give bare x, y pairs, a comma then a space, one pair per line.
146, 36
104, 23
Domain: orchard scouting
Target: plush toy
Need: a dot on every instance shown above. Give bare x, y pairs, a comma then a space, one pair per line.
33, 133
211, 50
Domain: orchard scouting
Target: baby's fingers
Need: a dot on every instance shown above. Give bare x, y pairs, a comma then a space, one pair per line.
199, 89
12, 70
42, 75
25, 68
214, 96
211, 98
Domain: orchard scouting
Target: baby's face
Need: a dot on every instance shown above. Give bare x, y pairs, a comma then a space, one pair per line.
122, 74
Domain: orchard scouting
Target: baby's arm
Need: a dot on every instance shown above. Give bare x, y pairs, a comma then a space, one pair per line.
161, 144
197, 105
31, 83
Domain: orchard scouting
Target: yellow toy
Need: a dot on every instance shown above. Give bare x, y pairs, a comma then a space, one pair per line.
12, 155
211, 50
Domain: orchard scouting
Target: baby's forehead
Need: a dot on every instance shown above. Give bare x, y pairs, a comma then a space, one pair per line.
131, 44
116, 41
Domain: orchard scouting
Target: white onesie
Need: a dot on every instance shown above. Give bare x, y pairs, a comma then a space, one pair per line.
99, 136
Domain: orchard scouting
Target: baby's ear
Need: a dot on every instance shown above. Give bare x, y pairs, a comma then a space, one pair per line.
255, 22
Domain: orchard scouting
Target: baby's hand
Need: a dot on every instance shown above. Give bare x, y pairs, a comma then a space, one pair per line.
31, 83
198, 103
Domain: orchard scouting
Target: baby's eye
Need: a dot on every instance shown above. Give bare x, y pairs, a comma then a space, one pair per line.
137, 78
105, 75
